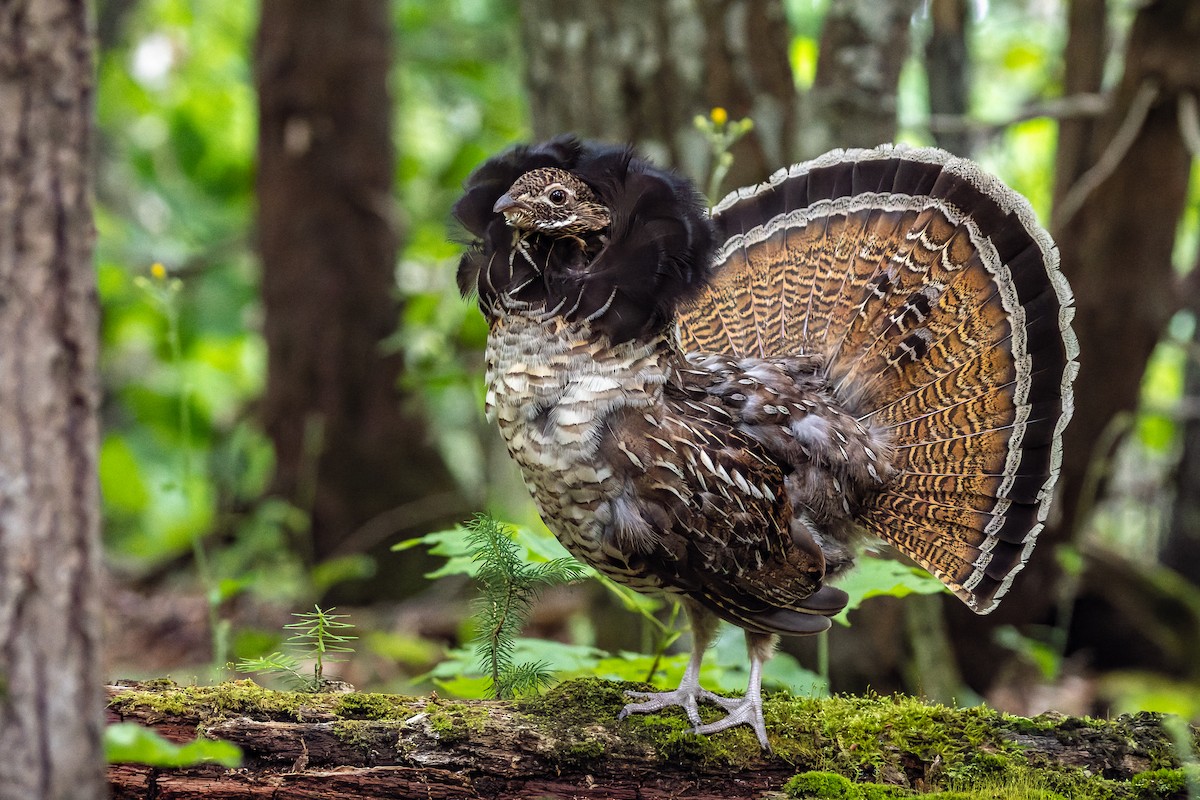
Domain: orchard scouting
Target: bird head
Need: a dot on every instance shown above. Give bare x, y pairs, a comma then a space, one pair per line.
554, 202
584, 231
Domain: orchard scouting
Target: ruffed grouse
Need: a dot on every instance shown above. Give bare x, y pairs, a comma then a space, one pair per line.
874, 343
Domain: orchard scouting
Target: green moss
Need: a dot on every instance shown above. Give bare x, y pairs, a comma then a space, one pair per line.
879, 791
455, 722
246, 698
582, 751
581, 701
877, 737
821, 785
832, 785
368, 705
355, 732
1159, 784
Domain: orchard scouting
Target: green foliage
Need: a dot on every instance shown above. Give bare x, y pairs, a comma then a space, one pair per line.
130, 743
725, 667
318, 636
883, 577
1158, 784
721, 133
177, 136
509, 587
808, 785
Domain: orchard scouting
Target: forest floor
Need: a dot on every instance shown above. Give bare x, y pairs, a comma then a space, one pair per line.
568, 743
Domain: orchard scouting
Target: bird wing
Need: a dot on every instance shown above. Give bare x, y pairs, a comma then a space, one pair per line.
704, 508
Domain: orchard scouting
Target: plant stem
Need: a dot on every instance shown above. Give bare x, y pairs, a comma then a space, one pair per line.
203, 570
823, 657
664, 639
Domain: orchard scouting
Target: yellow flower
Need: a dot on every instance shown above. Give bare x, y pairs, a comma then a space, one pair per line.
158, 271
719, 116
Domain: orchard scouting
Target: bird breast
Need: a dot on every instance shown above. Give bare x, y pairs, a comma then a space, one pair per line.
551, 388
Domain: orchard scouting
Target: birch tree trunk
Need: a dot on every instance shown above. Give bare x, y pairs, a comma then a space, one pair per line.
51, 713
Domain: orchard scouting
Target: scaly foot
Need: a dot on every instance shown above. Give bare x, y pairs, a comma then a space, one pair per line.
685, 697
742, 711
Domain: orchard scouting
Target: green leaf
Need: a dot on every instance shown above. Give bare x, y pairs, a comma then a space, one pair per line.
330, 573
875, 576
121, 480
466, 687
130, 743
452, 545
534, 545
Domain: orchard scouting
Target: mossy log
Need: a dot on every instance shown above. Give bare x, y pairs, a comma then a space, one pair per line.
569, 744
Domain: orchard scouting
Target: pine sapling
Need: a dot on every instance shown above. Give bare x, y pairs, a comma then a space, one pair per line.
317, 637
510, 586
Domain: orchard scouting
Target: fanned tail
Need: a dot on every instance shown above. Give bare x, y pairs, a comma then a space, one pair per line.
935, 301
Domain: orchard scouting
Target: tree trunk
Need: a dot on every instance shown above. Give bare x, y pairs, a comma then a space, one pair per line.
350, 450
569, 744
946, 70
1181, 549
1086, 52
50, 701
640, 73
864, 43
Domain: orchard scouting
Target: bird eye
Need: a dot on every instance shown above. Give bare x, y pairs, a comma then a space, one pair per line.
557, 196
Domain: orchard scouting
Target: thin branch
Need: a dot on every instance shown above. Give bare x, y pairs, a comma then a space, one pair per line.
1077, 106
1110, 159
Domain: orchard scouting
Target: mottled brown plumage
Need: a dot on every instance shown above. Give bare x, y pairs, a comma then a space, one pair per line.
873, 343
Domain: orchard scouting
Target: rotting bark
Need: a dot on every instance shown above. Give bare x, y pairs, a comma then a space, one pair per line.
50, 701
569, 744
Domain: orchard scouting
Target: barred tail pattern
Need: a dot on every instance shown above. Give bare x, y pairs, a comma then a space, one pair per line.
934, 300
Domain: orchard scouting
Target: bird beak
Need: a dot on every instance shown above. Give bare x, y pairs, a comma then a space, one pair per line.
505, 203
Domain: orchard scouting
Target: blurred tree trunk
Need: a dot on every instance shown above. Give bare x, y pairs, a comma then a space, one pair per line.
1115, 227
51, 713
1086, 52
1117, 246
111, 18
853, 102
350, 449
1181, 550
947, 74
641, 72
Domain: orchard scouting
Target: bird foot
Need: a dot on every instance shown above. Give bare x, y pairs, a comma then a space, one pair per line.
685, 697
742, 711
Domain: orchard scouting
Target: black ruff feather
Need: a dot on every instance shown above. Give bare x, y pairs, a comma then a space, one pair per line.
627, 280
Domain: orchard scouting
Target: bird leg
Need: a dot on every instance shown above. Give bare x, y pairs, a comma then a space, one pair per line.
746, 710
703, 625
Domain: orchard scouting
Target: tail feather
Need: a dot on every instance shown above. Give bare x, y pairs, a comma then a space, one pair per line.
934, 300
